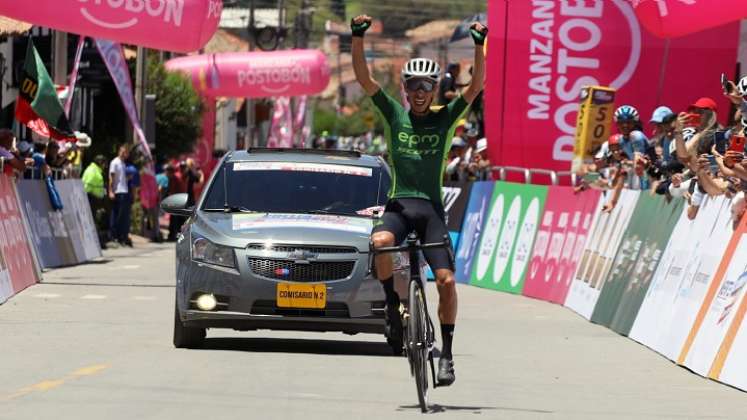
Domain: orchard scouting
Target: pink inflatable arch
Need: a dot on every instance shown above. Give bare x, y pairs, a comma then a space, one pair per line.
256, 74
674, 18
172, 25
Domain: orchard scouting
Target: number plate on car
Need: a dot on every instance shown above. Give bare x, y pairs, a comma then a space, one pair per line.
306, 296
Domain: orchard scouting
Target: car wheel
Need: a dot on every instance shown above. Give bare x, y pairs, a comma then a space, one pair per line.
186, 337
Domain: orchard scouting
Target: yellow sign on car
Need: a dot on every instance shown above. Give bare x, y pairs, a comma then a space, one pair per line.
594, 123
302, 296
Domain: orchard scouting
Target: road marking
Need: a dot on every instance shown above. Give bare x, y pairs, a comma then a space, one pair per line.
50, 384
124, 267
144, 298
46, 295
93, 297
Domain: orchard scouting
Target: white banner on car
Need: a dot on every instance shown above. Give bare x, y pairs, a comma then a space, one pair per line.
303, 167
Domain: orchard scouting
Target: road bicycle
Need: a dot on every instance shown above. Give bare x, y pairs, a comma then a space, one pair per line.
418, 332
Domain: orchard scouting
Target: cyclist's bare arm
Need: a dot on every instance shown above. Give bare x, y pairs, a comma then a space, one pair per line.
362, 74
478, 70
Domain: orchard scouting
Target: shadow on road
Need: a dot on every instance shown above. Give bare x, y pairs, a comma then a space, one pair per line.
436, 409
291, 345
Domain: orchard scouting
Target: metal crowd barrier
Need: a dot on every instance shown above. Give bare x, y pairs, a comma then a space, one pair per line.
555, 176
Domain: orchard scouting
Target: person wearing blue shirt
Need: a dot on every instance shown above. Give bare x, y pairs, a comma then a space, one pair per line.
633, 140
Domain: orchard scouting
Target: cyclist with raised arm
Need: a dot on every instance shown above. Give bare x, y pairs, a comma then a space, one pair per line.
417, 144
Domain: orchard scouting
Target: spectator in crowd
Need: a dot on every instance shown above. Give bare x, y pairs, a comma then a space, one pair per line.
40, 167
10, 160
119, 194
448, 87
149, 199
162, 180
455, 163
95, 188
479, 168
176, 186
192, 176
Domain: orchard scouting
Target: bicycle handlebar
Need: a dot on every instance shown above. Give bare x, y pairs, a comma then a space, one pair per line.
409, 247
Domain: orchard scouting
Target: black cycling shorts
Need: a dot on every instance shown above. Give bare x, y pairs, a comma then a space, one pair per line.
404, 215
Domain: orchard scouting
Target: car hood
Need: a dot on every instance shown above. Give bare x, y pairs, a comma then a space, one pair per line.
240, 229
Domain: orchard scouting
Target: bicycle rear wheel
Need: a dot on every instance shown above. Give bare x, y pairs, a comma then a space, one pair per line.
417, 343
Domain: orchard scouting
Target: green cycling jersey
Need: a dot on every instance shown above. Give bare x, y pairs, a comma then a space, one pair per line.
417, 146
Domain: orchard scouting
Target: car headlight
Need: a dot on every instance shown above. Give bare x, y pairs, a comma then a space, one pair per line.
205, 251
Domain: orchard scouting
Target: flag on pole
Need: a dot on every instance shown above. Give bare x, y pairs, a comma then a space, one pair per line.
38, 106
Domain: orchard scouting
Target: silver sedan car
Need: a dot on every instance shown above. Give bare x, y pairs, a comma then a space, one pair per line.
280, 240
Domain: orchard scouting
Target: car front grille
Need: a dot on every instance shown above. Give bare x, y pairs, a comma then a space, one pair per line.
269, 307
314, 271
312, 248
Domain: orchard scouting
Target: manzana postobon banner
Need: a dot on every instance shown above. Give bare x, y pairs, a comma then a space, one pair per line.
38, 106
113, 56
674, 18
170, 25
545, 51
260, 74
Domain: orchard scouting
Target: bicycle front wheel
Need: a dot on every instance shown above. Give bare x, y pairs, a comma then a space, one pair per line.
418, 344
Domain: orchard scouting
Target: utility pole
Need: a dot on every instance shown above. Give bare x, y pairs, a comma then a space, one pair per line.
250, 114
141, 81
60, 58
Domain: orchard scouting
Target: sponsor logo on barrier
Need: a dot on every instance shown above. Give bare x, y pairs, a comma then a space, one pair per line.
507, 239
489, 238
524, 245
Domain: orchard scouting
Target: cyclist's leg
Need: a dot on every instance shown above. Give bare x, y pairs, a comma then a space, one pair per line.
390, 230
432, 228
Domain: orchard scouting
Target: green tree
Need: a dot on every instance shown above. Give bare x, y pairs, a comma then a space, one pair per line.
178, 111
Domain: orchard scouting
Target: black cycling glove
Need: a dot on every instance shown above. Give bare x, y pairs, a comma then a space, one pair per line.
359, 29
478, 36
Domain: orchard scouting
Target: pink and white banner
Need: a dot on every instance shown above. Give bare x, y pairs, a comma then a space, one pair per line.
542, 52
113, 56
560, 243
74, 75
673, 18
281, 128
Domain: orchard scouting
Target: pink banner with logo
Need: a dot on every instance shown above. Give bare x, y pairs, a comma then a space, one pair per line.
74, 75
673, 18
560, 242
542, 52
113, 56
172, 25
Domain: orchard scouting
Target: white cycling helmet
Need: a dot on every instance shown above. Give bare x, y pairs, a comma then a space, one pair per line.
421, 68
742, 86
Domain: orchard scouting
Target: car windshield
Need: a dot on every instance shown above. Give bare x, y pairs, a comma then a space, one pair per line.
294, 187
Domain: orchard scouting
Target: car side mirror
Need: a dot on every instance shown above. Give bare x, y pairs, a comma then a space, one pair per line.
176, 204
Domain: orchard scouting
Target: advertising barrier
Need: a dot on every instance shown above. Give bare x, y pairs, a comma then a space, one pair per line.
720, 306
474, 221
606, 233
456, 197
55, 234
681, 281
79, 220
508, 236
639, 254
560, 242
17, 266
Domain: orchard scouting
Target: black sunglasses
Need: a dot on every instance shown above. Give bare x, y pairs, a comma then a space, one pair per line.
420, 84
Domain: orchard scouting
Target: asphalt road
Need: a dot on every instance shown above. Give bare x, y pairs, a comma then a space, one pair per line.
94, 342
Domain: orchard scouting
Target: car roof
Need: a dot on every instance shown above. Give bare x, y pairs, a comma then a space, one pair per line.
333, 157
